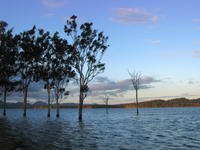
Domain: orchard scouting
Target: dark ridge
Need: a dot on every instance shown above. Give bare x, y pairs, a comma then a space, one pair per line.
177, 102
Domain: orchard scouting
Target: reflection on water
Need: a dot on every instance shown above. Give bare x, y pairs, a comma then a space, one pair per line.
166, 128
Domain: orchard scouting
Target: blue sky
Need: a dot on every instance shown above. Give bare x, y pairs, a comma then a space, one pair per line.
160, 39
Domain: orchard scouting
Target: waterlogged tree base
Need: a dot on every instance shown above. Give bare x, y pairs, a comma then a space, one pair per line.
88, 47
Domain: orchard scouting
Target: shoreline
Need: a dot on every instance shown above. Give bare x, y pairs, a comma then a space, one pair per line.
178, 102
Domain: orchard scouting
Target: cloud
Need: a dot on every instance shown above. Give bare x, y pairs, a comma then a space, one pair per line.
133, 16
100, 87
195, 52
190, 82
104, 86
48, 15
169, 54
156, 42
152, 26
196, 20
188, 95
101, 79
153, 41
196, 56
54, 3
196, 42
36, 92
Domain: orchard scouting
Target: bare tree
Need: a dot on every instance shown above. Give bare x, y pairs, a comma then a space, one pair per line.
106, 102
135, 78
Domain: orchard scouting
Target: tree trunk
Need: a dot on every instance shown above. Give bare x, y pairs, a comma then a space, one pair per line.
80, 107
25, 100
106, 105
57, 106
4, 104
49, 92
137, 101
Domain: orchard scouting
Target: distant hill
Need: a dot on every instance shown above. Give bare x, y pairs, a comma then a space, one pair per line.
178, 102
39, 103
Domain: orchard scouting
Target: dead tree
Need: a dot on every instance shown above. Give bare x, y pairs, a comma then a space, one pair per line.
135, 79
106, 102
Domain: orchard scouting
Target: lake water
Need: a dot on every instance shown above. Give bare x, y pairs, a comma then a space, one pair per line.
156, 129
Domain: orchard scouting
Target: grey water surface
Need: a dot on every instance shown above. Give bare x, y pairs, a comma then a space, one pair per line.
153, 129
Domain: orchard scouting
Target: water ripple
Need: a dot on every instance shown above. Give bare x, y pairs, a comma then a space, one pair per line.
156, 129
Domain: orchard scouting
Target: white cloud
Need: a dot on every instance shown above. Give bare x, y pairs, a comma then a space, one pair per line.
133, 16
196, 56
48, 15
169, 54
152, 41
196, 42
54, 3
156, 42
195, 52
196, 20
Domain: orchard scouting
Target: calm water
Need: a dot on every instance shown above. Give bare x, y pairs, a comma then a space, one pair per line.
160, 128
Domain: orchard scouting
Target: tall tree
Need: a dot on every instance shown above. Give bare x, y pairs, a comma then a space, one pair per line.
44, 71
135, 79
8, 68
88, 46
61, 67
29, 57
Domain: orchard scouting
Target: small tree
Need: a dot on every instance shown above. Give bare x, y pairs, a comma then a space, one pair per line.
106, 102
135, 78
88, 49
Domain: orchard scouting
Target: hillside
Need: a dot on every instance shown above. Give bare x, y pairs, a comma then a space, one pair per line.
178, 102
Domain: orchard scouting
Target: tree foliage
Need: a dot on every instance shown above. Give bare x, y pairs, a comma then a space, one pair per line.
88, 46
61, 67
8, 67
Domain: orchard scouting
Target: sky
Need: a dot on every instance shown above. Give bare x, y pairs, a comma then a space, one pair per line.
159, 39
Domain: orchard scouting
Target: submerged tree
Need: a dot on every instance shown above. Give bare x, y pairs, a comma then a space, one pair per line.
29, 57
106, 102
135, 78
61, 67
44, 71
88, 47
8, 68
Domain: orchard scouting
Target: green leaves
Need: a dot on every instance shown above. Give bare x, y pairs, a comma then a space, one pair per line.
3, 25
8, 50
88, 48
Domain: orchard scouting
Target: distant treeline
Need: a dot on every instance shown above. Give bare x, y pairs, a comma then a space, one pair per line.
178, 102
